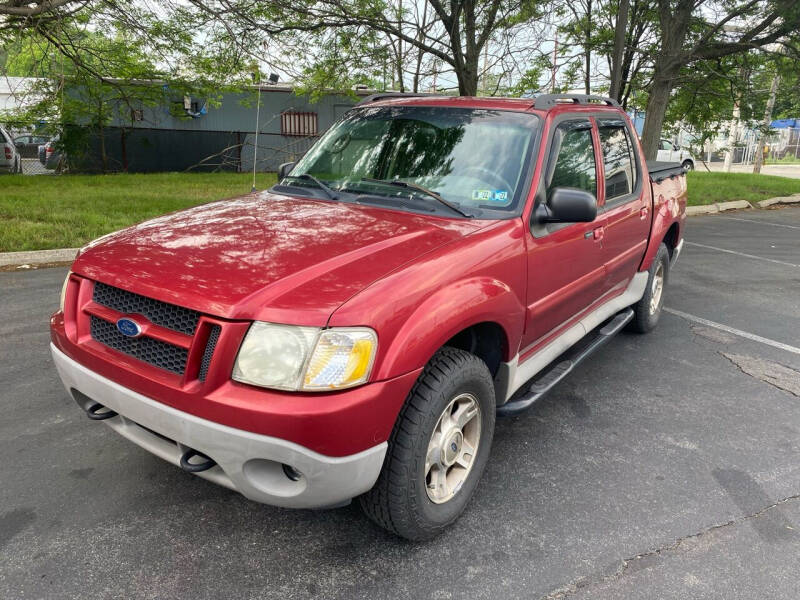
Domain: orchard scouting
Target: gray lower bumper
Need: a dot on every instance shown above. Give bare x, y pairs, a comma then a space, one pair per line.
246, 462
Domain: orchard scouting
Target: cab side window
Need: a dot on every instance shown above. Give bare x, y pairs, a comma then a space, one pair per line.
571, 161
619, 161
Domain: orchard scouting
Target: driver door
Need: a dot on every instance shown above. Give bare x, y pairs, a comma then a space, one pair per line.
566, 272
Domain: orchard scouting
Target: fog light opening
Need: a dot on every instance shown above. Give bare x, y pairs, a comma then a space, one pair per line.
292, 473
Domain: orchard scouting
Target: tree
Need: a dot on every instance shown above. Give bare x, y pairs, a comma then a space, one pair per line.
697, 30
94, 69
457, 38
37, 10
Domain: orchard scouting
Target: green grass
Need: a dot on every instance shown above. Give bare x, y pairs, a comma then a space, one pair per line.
42, 212
38, 213
708, 188
789, 159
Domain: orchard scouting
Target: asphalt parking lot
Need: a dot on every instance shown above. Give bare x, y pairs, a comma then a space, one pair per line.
665, 467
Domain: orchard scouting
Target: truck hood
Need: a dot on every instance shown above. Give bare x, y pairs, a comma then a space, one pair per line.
265, 256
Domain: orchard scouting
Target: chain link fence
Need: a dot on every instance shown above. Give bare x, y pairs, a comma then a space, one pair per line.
781, 147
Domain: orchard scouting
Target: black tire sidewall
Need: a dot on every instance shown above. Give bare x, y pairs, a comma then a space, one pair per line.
651, 319
474, 380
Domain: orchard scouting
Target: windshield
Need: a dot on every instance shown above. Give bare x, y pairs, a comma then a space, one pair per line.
474, 159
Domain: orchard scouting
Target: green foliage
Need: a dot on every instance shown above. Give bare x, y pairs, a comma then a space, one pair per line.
708, 188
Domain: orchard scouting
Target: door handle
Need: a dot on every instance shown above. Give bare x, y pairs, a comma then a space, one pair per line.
643, 213
598, 233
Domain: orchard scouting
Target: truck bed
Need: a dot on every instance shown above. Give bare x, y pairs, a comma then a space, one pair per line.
660, 170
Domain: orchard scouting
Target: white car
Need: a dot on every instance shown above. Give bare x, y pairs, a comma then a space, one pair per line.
10, 160
669, 152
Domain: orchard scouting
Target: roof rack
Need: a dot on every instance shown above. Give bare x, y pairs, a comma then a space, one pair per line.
386, 95
546, 101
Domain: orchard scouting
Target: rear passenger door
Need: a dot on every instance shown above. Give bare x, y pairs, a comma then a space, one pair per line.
625, 206
566, 273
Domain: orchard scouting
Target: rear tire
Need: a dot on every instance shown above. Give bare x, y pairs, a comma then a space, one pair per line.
429, 475
647, 311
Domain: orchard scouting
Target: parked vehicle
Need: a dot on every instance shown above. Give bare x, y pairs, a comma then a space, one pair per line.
50, 155
10, 160
669, 152
430, 263
27, 145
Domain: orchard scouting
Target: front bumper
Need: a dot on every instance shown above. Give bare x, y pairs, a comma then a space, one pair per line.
247, 462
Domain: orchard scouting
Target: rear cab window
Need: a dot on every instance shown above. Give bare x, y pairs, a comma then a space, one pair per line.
619, 159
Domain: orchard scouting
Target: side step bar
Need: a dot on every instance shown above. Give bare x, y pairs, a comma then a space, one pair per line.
560, 370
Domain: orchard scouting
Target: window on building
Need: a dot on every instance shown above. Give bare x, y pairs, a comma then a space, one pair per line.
572, 157
618, 158
299, 123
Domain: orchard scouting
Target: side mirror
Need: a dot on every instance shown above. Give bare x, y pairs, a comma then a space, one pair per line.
568, 205
285, 169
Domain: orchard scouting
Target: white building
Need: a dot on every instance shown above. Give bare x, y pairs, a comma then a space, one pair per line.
15, 92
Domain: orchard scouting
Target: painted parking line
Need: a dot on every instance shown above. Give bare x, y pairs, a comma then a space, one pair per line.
753, 256
760, 222
733, 330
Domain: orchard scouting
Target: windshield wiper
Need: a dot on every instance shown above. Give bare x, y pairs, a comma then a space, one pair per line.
418, 188
329, 191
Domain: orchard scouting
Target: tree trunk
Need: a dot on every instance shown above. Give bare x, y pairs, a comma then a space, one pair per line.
400, 46
103, 155
587, 81
467, 71
468, 80
420, 53
654, 116
124, 144
773, 92
620, 31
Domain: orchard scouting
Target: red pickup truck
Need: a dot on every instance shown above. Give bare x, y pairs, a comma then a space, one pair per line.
430, 263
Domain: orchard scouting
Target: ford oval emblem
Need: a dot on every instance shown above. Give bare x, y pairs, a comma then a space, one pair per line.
129, 327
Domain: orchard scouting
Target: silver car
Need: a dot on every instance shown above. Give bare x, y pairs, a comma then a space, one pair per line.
10, 160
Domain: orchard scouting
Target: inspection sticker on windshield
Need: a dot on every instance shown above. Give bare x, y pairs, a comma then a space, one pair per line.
497, 196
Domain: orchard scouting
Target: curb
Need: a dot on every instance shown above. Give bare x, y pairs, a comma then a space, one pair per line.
780, 200
707, 209
24, 260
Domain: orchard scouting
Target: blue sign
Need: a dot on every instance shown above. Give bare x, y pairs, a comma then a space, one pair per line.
129, 327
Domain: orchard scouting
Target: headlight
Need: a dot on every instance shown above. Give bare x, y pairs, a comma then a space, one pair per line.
64, 292
287, 357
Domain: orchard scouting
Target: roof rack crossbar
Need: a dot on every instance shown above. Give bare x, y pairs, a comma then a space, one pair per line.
546, 101
387, 95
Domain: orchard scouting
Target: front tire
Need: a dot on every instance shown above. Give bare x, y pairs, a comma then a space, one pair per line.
438, 448
647, 311
688, 165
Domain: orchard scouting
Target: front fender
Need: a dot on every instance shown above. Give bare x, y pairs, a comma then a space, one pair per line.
447, 312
